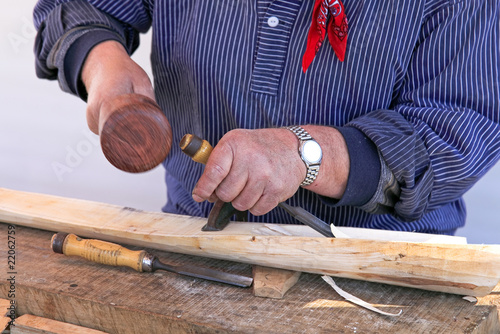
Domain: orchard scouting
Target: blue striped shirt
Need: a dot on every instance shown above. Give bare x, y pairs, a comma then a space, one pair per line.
417, 97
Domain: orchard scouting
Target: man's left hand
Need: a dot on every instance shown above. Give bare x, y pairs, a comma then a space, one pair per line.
257, 169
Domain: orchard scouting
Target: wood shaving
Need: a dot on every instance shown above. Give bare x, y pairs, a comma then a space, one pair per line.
471, 299
338, 233
355, 300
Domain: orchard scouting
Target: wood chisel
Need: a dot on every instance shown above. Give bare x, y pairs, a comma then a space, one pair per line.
115, 255
199, 150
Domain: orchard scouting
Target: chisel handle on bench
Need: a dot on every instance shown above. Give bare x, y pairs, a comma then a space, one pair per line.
98, 251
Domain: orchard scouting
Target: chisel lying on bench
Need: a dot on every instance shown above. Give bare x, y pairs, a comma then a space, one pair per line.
115, 255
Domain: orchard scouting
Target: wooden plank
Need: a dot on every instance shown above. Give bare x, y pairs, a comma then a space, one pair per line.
120, 300
5, 319
460, 269
4, 323
272, 282
30, 324
490, 324
490, 321
40, 211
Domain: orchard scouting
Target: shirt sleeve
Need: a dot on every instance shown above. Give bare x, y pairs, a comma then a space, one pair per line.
442, 132
68, 30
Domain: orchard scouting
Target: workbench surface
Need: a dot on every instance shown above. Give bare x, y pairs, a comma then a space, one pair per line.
120, 300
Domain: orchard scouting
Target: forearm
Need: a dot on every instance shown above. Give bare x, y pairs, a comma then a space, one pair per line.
257, 169
68, 31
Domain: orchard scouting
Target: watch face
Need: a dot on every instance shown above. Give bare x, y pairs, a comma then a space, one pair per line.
311, 152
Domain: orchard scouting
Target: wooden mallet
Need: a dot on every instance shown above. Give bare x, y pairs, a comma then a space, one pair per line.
135, 135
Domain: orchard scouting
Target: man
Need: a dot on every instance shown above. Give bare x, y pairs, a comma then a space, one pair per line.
406, 123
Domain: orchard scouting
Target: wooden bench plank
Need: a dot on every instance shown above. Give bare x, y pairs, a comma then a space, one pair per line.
5, 312
30, 324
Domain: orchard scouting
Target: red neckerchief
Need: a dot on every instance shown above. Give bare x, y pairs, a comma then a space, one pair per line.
337, 30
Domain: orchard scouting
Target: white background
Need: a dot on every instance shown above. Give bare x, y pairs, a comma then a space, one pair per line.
46, 147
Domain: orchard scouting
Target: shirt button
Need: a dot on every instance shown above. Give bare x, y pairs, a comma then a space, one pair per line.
273, 21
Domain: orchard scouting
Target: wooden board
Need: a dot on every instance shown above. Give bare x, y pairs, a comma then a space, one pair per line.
272, 282
120, 300
4, 314
31, 324
461, 269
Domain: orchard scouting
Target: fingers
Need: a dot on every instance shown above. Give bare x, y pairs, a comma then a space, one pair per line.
93, 118
237, 188
252, 169
248, 196
144, 86
216, 170
265, 204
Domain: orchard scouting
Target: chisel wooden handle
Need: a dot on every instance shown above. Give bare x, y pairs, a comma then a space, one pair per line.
198, 149
98, 251
135, 134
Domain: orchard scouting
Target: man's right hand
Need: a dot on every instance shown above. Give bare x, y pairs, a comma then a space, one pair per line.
107, 73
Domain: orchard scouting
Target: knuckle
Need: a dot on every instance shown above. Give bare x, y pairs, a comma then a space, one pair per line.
267, 176
224, 194
216, 172
240, 205
262, 177
236, 133
264, 205
259, 210
235, 140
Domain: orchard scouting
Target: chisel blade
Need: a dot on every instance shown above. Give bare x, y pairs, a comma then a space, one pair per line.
205, 273
308, 219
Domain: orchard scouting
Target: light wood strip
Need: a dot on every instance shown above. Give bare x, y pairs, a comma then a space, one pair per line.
454, 268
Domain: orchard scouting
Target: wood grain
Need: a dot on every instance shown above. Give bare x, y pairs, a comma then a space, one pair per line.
4, 314
30, 324
460, 269
272, 282
135, 135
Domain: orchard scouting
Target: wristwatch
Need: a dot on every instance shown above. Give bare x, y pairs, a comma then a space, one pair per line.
310, 152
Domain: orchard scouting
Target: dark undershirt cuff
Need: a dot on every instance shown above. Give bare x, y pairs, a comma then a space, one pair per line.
364, 171
76, 55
